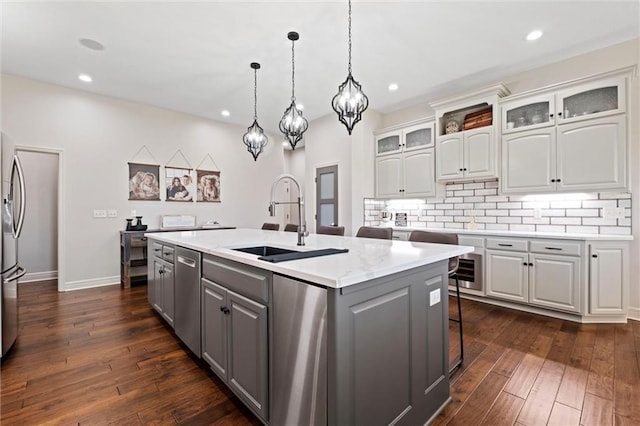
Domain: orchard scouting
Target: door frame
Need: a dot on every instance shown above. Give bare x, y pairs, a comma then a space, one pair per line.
61, 208
335, 192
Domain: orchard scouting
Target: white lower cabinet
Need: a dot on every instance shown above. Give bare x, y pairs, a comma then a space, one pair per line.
541, 279
507, 275
608, 278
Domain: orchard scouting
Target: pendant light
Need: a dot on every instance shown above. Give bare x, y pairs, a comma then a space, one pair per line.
293, 124
350, 101
255, 139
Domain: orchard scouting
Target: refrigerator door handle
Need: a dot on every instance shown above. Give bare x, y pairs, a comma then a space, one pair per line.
16, 166
19, 274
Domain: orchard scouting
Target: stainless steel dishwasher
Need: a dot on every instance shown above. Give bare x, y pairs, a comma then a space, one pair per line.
186, 321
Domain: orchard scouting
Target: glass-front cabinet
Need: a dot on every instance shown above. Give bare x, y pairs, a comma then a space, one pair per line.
592, 100
578, 102
529, 113
388, 143
407, 139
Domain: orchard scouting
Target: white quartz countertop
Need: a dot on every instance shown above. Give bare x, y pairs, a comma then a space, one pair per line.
525, 234
367, 258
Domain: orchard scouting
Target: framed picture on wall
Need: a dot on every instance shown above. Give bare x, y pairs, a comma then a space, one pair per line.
179, 184
143, 182
208, 186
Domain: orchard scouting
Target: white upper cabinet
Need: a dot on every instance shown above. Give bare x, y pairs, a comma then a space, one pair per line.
527, 114
572, 138
466, 145
592, 100
405, 162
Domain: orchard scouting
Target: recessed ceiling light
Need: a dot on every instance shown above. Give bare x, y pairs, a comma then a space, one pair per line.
85, 77
91, 44
225, 113
285, 143
534, 35
300, 106
393, 87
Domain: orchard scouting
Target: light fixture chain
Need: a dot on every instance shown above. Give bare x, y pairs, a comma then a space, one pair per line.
293, 71
349, 36
255, 94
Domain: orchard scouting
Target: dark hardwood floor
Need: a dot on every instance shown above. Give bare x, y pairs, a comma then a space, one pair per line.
102, 356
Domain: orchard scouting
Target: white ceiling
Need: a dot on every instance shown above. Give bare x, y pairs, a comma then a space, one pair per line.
194, 57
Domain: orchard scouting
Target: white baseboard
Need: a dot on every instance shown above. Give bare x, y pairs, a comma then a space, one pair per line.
30, 277
633, 313
91, 283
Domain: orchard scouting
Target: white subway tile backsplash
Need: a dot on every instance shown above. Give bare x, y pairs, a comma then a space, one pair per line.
509, 219
485, 206
474, 199
582, 229
486, 191
570, 213
550, 228
583, 212
591, 204
617, 230
521, 212
567, 204
566, 221
497, 227
496, 199
509, 205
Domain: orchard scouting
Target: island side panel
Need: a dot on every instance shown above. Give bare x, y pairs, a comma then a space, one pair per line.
387, 349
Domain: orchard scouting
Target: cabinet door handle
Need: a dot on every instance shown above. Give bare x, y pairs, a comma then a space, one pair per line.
157, 250
553, 248
161, 271
505, 245
594, 255
557, 180
225, 310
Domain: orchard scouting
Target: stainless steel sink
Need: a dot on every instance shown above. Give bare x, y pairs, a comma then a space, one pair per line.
276, 255
265, 250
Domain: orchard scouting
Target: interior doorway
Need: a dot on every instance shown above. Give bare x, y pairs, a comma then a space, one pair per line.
40, 244
326, 196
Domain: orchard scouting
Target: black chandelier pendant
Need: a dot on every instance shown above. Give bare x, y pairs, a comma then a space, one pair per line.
255, 139
350, 101
293, 124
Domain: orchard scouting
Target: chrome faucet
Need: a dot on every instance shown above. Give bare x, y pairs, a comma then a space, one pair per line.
302, 229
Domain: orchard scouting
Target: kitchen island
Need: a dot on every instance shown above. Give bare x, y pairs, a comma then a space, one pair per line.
352, 338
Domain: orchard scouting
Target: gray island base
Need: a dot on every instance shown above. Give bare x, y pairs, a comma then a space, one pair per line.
374, 352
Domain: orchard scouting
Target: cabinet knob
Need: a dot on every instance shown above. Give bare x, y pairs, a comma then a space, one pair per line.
161, 271
525, 264
594, 255
553, 180
559, 113
530, 264
460, 169
465, 169
551, 115
557, 180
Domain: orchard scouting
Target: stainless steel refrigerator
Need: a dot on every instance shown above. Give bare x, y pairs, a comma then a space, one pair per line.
13, 208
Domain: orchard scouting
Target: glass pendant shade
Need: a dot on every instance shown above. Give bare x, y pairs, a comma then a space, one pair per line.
293, 124
255, 138
350, 101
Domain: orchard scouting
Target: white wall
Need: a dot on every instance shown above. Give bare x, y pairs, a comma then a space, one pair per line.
38, 243
98, 136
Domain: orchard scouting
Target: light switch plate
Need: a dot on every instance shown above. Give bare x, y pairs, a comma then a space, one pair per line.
434, 297
99, 214
112, 213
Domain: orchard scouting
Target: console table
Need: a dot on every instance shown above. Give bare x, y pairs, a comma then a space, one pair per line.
133, 253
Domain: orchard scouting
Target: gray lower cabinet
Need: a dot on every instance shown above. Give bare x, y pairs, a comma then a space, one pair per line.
161, 282
388, 349
234, 343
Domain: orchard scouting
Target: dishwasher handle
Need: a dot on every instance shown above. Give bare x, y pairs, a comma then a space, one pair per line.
186, 261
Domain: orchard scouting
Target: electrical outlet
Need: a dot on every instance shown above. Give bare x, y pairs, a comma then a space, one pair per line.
112, 213
537, 214
99, 214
